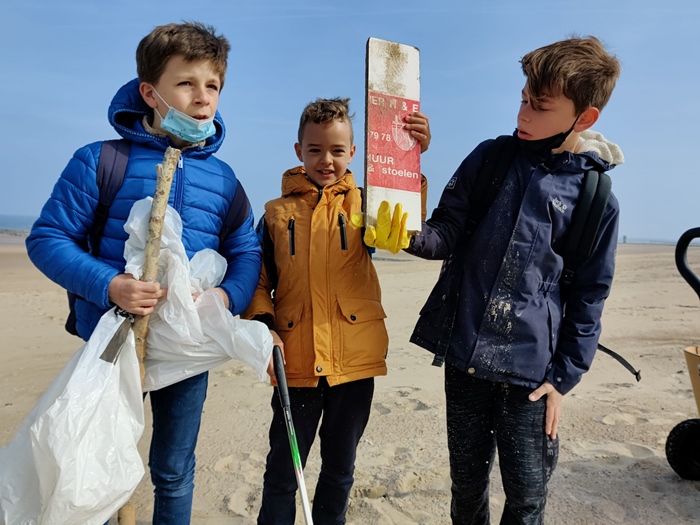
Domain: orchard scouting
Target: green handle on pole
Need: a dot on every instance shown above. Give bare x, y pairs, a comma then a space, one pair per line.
283, 392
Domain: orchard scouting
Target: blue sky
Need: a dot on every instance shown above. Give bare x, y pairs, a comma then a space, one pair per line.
63, 62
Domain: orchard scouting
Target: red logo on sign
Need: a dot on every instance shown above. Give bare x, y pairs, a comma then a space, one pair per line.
393, 155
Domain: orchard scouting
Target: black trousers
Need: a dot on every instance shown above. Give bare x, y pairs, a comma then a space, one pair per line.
343, 412
483, 416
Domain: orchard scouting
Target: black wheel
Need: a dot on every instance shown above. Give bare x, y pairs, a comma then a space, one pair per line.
683, 449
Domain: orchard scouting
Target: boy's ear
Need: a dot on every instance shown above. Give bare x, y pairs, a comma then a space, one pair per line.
148, 95
297, 149
587, 119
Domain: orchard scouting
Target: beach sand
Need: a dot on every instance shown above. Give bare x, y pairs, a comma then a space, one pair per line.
612, 466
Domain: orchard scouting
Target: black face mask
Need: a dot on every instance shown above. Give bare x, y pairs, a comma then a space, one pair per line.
541, 149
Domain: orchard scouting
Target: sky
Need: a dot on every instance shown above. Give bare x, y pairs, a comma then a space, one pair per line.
63, 62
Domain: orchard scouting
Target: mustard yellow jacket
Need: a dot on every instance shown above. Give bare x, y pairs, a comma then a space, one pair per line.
326, 303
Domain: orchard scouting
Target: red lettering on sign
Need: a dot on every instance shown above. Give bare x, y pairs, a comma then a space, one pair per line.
393, 155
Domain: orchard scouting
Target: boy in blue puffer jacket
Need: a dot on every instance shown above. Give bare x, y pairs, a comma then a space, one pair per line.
513, 342
181, 71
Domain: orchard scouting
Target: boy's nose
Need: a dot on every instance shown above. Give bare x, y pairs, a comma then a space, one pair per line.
523, 114
201, 96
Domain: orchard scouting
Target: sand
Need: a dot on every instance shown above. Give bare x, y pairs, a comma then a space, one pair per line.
612, 466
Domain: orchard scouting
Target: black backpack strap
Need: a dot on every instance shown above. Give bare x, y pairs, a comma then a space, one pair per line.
111, 167
268, 253
238, 212
585, 223
498, 156
636, 373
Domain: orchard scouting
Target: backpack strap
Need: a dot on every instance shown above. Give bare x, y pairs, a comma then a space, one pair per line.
585, 223
111, 168
238, 212
268, 253
498, 157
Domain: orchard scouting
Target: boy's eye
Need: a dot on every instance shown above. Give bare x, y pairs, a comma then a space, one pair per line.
214, 87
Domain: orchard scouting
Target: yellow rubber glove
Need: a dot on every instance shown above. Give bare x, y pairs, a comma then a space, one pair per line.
390, 232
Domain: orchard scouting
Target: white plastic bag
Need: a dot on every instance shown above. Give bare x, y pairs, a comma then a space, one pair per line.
74, 458
186, 338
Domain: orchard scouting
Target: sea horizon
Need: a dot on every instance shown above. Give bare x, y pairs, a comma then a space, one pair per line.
20, 225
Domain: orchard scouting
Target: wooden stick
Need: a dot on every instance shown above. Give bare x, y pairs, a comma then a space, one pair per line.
127, 514
155, 231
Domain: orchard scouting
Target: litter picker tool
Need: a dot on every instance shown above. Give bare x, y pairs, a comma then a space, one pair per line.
166, 170
283, 392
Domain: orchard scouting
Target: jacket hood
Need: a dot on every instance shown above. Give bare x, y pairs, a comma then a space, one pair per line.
296, 182
595, 152
593, 142
126, 113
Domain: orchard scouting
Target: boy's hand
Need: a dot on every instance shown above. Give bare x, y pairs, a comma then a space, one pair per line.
390, 232
136, 297
419, 127
220, 291
276, 340
554, 399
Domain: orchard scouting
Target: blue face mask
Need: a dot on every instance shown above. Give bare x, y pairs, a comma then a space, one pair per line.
183, 126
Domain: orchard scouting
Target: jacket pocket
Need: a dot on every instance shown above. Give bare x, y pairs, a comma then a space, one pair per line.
363, 337
554, 321
288, 326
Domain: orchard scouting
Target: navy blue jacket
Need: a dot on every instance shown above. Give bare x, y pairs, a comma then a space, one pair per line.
510, 322
202, 189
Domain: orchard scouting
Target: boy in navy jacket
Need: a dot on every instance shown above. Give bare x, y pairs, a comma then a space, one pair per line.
181, 69
516, 345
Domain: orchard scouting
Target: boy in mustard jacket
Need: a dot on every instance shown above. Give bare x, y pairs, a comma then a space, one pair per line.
319, 294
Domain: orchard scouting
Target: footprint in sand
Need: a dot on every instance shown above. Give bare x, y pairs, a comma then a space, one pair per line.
612, 454
248, 465
403, 399
381, 409
242, 502
621, 419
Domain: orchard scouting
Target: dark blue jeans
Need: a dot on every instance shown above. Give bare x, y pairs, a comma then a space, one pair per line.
177, 413
483, 416
345, 410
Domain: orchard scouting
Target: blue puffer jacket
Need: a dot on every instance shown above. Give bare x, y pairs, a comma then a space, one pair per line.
510, 323
202, 189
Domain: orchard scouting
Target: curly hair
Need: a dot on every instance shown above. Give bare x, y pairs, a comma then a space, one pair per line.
324, 111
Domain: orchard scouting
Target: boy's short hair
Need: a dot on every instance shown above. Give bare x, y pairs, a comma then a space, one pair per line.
190, 40
579, 68
325, 111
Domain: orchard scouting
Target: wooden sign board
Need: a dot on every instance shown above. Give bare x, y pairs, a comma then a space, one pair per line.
392, 162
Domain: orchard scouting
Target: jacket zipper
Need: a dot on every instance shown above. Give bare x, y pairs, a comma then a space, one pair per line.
290, 229
179, 186
343, 233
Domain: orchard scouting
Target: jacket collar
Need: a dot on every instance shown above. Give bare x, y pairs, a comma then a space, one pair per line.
296, 182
